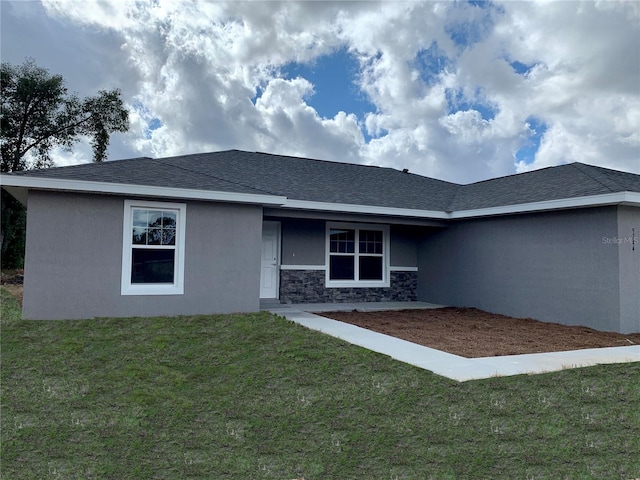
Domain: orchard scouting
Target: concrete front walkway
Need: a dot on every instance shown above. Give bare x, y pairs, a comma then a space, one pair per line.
443, 363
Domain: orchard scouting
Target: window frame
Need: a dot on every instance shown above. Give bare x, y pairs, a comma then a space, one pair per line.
175, 288
356, 282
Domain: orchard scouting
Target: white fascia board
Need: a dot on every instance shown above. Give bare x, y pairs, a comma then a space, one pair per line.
631, 198
367, 209
625, 198
139, 190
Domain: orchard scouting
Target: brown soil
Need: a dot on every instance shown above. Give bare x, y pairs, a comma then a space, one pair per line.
472, 333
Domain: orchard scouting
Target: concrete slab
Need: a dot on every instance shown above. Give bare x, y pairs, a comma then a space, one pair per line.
554, 361
446, 364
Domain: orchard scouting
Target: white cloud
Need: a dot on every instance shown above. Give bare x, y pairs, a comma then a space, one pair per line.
292, 127
206, 76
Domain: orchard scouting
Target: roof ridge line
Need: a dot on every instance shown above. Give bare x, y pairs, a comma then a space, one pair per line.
453, 197
214, 176
350, 164
589, 173
322, 160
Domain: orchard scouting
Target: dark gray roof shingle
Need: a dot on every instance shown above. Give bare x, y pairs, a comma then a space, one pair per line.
334, 182
322, 181
553, 183
261, 173
142, 171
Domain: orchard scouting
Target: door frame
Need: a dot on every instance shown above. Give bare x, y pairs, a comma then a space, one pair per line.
278, 229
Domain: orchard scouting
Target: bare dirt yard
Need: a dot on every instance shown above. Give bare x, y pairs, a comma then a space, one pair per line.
472, 333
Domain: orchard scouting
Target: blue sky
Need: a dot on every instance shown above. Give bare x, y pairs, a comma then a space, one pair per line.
335, 80
461, 91
526, 153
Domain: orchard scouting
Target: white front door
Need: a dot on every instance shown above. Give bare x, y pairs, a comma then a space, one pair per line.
270, 263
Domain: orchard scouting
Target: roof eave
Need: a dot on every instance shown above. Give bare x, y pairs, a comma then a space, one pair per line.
364, 209
602, 200
19, 182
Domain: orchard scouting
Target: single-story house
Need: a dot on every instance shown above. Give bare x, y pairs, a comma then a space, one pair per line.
218, 232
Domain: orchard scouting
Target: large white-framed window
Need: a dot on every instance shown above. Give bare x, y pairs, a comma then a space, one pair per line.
357, 255
153, 248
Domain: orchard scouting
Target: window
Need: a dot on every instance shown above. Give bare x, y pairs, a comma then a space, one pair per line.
357, 255
153, 248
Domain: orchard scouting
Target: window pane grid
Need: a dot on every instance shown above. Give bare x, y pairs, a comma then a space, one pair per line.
356, 255
153, 244
154, 248
154, 227
370, 241
342, 241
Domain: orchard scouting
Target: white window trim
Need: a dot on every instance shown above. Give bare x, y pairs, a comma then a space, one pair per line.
175, 288
385, 282
399, 268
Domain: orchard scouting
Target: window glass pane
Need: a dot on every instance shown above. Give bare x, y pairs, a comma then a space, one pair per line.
342, 241
139, 236
168, 236
152, 266
348, 246
370, 268
169, 219
139, 217
154, 227
154, 236
370, 241
155, 218
341, 267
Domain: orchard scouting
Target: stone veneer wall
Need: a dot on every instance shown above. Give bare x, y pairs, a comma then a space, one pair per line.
307, 286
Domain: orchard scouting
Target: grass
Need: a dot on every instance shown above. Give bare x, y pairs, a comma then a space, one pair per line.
257, 397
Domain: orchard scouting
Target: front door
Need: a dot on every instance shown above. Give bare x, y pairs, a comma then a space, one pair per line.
270, 263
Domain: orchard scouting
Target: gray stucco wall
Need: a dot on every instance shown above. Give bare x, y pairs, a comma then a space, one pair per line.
74, 251
302, 241
548, 266
628, 245
404, 245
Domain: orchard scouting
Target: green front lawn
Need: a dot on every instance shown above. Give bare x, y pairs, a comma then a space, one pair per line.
255, 396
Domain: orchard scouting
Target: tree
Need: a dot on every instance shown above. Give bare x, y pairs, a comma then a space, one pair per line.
12, 231
37, 115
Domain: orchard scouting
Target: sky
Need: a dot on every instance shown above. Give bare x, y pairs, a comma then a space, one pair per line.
460, 91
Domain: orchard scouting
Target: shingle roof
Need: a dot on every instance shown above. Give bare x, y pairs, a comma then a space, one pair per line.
564, 181
333, 182
261, 173
142, 171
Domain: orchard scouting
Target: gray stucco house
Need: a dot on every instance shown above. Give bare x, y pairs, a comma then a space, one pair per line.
218, 232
